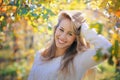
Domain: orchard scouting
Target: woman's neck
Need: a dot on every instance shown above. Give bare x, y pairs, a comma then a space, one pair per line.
60, 52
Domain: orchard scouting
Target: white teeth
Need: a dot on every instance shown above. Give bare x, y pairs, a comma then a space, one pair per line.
60, 41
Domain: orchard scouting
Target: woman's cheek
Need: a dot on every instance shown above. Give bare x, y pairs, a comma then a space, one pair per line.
71, 39
58, 32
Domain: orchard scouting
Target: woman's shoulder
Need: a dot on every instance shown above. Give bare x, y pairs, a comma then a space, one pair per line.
38, 54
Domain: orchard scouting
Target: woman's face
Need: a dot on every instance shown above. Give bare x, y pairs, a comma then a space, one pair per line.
64, 34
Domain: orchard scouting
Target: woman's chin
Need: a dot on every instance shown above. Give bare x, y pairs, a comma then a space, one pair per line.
58, 46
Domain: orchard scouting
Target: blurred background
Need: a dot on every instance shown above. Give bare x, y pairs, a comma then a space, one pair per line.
27, 26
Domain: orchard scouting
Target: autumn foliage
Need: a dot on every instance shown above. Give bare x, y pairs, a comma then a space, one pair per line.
26, 26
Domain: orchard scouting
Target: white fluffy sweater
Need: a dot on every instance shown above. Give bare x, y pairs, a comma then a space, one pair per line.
82, 61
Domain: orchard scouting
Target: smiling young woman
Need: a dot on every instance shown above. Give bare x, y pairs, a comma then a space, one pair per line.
64, 36
69, 56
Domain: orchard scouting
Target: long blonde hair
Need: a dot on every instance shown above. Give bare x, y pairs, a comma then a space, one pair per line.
78, 45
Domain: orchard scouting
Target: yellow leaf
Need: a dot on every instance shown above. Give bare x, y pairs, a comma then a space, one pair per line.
45, 11
1, 18
35, 29
115, 36
95, 58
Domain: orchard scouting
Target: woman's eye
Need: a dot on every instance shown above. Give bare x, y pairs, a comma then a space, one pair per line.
70, 34
61, 30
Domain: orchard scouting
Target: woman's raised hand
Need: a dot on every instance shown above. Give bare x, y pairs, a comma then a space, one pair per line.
78, 19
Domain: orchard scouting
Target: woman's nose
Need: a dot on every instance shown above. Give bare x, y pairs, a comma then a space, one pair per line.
63, 36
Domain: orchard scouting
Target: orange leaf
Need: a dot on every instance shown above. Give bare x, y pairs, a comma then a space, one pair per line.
117, 13
1, 1
4, 9
14, 8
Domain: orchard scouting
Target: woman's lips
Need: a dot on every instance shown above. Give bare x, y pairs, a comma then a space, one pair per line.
61, 41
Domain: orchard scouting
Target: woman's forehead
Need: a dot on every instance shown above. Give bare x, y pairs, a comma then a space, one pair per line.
67, 24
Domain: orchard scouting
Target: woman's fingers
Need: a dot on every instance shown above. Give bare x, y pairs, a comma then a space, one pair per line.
76, 15
78, 18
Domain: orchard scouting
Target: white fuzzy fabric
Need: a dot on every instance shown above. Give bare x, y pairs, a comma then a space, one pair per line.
82, 61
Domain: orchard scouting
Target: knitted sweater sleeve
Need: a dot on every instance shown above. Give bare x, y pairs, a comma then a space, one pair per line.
36, 60
98, 41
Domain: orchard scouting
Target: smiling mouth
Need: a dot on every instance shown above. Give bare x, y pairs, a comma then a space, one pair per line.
60, 41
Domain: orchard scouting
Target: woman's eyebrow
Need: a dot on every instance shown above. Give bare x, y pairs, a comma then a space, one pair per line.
61, 27
70, 32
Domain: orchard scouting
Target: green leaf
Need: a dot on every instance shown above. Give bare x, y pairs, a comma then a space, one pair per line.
18, 3
110, 49
50, 12
116, 47
100, 28
110, 60
45, 16
3, 23
99, 55
34, 15
22, 11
